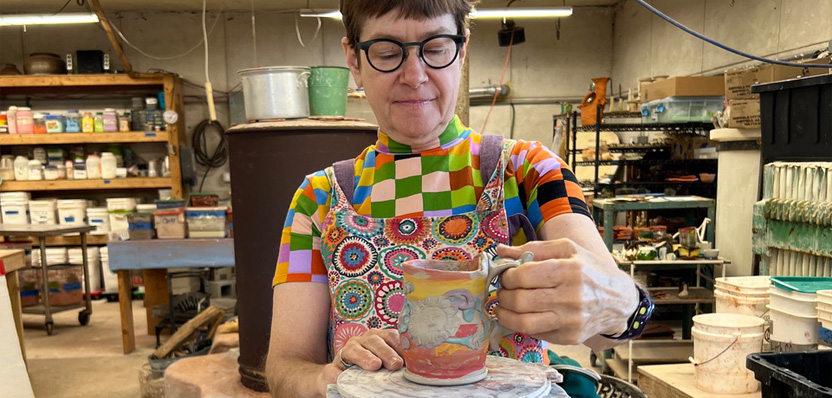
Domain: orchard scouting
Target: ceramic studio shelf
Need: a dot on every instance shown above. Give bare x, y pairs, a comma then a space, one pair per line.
70, 240
76, 185
674, 127
83, 138
627, 162
670, 295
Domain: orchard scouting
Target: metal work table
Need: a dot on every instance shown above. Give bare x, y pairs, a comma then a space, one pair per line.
605, 209
153, 257
41, 232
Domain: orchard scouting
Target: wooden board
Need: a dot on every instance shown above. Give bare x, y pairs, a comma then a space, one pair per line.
83, 138
676, 381
82, 80
68, 240
75, 185
125, 303
656, 351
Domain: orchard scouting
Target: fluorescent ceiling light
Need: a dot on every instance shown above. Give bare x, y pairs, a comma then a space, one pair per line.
519, 12
335, 14
47, 19
543, 12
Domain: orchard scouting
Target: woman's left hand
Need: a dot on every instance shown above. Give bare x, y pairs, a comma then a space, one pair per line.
567, 295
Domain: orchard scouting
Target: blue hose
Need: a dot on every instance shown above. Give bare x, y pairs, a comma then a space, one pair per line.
724, 47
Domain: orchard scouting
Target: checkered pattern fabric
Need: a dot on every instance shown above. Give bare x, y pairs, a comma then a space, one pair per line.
394, 180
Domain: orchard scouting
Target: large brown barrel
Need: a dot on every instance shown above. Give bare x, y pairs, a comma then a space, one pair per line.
268, 163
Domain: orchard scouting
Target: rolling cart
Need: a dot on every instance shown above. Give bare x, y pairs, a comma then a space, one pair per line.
41, 232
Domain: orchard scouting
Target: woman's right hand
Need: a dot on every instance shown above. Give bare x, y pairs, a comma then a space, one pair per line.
372, 350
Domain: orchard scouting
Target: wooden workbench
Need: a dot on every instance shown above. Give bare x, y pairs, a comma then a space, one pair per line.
676, 381
10, 262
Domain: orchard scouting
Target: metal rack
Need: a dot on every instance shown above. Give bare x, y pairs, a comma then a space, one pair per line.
41, 232
677, 128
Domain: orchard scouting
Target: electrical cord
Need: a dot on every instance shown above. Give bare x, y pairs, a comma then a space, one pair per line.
722, 46
502, 76
200, 144
158, 58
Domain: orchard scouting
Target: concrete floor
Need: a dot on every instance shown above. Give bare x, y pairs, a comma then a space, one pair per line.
87, 361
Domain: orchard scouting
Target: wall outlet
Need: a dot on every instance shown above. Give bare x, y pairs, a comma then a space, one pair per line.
226, 177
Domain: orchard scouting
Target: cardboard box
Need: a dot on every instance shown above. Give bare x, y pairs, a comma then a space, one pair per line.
689, 86
743, 113
738, 82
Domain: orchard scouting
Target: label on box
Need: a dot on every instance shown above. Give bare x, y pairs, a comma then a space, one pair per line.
744, 113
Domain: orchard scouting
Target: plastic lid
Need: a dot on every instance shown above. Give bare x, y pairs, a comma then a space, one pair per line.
802, 284
38, 115
221, 208
109, 109
24, 108
103, 154
169, 212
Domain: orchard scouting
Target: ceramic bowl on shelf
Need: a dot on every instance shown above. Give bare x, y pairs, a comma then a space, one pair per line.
707, 177
711, 254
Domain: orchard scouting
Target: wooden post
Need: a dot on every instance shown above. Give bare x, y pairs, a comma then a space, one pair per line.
125, 304
14, 296
155, 293
105, 23
463, 101
176, 131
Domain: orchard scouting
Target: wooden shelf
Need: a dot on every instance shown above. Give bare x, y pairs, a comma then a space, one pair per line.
656, 351
75, 185
70, 240
83, 138
81, 80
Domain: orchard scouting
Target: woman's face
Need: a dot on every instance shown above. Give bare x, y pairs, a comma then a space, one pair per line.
414, 103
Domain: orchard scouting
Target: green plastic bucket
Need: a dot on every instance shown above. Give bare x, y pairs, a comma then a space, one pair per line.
328, 91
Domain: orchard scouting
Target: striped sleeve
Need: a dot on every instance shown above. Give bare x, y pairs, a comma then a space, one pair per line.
299, 259
546, 185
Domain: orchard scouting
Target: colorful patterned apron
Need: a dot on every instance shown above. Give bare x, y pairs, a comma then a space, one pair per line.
363, 255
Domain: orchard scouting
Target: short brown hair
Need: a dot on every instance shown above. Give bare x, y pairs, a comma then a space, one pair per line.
356, 12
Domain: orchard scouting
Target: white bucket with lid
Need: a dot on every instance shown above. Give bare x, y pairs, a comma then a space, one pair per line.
24, 196
727, 303
15, 212
721, 343
109, 278
43, 212
75, 256
56, 256
100, 219
121, 203
824, 296
804, 304
146, 208
789, 327
72, 212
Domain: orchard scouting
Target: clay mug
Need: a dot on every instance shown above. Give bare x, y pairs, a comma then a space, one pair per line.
444, 326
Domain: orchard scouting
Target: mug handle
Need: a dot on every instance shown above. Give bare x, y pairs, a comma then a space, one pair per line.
495, 270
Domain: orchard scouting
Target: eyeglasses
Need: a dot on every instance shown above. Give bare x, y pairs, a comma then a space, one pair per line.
387, 55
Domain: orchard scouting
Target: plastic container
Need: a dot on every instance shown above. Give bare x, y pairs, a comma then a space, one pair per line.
25, 121
124, 123
146, 208
39, 126
93, 167
745, 285
118, 209
788, 327
88, 123
109, 277
793, 374
54, 124
72, 212
801, 284
7, 168
681, 109
98, 122
50, 172
14, 212
98, 217
727, 303
170, 204
170, 224
43, 212
35, 170
206, 222
328, 90
11, 119
721, 343
79, 170
140, 226
72, 122
110, 120
21, 168
199, 199
785, 106
108, 165
793, 302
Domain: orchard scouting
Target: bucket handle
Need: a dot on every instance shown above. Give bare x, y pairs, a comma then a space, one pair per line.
736, 339
303, 79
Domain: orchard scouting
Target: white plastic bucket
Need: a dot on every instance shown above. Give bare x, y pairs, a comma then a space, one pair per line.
43, 212
747, 285
146, 208
793, 328
727, 303
75, 256
100, 219
721, 343
825, 319
121, 204
72, 212
824, 296
56, 256
15, 212
109, 278
24, 196
793, 302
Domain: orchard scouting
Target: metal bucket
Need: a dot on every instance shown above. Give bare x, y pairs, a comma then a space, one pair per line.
275, 92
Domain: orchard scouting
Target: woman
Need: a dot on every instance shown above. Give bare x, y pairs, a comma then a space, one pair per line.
426, 189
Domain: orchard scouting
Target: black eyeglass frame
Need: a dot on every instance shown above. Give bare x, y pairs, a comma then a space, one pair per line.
458, 39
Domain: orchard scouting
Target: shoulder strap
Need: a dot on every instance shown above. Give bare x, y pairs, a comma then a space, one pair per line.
345, 177
491, 149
